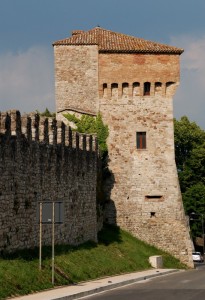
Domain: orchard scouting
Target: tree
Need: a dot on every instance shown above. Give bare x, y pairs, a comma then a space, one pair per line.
187, 136
194, 202
90, 125
190, 161
46, 113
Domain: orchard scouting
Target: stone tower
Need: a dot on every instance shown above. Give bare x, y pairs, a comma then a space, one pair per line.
131, 82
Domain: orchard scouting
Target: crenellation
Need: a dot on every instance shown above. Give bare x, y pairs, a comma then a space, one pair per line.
77, 141
84, 142
34, 168
91, 143
63, 133
96, 148
70, 137
55, 132
36, 127
33, 128
46, 136
6, 124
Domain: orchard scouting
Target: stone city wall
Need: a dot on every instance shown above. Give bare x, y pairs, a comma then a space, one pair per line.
42, 160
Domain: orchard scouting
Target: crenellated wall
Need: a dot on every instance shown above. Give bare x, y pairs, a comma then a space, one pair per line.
43, 160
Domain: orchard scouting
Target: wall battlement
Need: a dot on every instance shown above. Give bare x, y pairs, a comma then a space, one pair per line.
43, 160
48, 130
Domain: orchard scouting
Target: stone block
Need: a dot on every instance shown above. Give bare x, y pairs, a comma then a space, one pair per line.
156, 261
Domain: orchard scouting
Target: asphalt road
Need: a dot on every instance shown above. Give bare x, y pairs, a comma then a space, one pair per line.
185, 285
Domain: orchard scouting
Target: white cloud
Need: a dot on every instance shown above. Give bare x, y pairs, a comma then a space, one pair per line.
27, 80
190, 97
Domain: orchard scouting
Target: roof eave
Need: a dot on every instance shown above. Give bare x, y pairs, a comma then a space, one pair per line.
180, 51
71, 44
145, 51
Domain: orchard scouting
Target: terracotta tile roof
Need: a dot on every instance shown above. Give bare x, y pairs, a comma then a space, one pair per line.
109, 41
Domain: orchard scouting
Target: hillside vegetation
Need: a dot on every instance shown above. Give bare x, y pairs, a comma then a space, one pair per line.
117, 252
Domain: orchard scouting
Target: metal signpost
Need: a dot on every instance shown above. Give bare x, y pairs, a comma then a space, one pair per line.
40, 236
50, 212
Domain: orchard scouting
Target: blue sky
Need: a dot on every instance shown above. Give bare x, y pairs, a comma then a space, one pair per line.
28, 28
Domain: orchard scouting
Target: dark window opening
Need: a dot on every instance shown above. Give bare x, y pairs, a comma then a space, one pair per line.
114, 90
170, 83
141, 140
158, 87
136, 89
104, 89
125, 87
153, 197
114, 86
147, 86
104, 86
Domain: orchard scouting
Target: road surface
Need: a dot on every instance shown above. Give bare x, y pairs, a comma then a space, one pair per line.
184, 285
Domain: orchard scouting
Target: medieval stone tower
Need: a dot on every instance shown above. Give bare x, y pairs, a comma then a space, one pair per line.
131, 82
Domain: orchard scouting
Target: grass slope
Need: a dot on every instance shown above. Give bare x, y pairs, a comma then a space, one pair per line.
117, 252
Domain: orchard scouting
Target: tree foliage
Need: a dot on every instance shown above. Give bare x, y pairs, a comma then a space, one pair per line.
46, 113
188, 135
91, 125
190, 161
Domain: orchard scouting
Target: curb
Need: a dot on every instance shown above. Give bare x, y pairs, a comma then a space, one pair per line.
113, 285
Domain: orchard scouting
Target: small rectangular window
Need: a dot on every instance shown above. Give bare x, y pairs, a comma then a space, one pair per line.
154, 198
141, 140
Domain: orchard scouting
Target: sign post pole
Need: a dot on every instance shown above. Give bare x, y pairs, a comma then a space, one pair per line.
53, 242
40, 237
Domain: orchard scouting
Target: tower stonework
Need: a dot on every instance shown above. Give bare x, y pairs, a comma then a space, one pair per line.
131, 82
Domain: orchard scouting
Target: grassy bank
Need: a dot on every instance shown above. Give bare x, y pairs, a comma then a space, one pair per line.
117, 252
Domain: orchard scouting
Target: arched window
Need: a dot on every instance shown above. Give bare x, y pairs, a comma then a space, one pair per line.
114, 90
170, 88
147, 86
104, 90
158, 87
125, 89
136, 89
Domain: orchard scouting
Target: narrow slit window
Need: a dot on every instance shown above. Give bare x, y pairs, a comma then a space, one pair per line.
141, 140
154, 198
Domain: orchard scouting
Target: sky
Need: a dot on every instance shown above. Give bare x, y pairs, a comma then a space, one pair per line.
29, 27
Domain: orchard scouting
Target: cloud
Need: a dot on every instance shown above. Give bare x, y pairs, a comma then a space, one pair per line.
27, 80
190, 97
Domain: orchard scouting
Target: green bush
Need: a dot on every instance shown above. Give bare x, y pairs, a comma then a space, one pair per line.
91, 125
